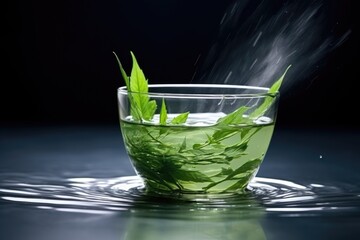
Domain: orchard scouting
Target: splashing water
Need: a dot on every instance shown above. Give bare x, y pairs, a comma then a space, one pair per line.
259, 39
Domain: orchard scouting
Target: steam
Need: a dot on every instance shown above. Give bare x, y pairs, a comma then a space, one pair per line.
258, 40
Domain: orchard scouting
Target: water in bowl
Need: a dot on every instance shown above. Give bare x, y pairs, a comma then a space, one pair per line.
201, 156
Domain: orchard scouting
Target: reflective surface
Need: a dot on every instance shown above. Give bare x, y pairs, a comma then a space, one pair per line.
77, 183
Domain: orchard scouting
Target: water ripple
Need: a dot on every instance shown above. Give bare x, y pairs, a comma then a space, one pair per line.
127, 194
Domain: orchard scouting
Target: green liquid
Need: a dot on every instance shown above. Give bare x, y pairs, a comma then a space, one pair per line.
196, 159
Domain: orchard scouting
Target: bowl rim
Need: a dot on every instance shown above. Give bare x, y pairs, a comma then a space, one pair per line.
263, 91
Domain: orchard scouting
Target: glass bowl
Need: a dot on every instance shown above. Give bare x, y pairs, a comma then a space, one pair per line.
197, 138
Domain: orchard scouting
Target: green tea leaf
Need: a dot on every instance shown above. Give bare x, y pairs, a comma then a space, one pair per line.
183, 145
163, 113
224, 172
222, 134
137, 78
180, 119
234, 118
247, 168
123, 73
134, 111
276, 86
236, 149
149, 110
239, 184
269, 99
139, 89
190, 176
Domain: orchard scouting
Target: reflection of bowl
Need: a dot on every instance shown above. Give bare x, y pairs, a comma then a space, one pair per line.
202, 138
207, 225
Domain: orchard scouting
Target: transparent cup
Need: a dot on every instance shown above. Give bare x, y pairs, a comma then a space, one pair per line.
209, 139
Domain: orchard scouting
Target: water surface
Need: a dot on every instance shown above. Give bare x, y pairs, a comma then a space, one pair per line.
77, 183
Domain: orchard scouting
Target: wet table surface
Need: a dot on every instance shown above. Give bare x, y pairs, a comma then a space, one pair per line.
38, 166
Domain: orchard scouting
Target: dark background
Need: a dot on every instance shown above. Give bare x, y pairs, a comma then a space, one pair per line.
58, 67
59, 116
